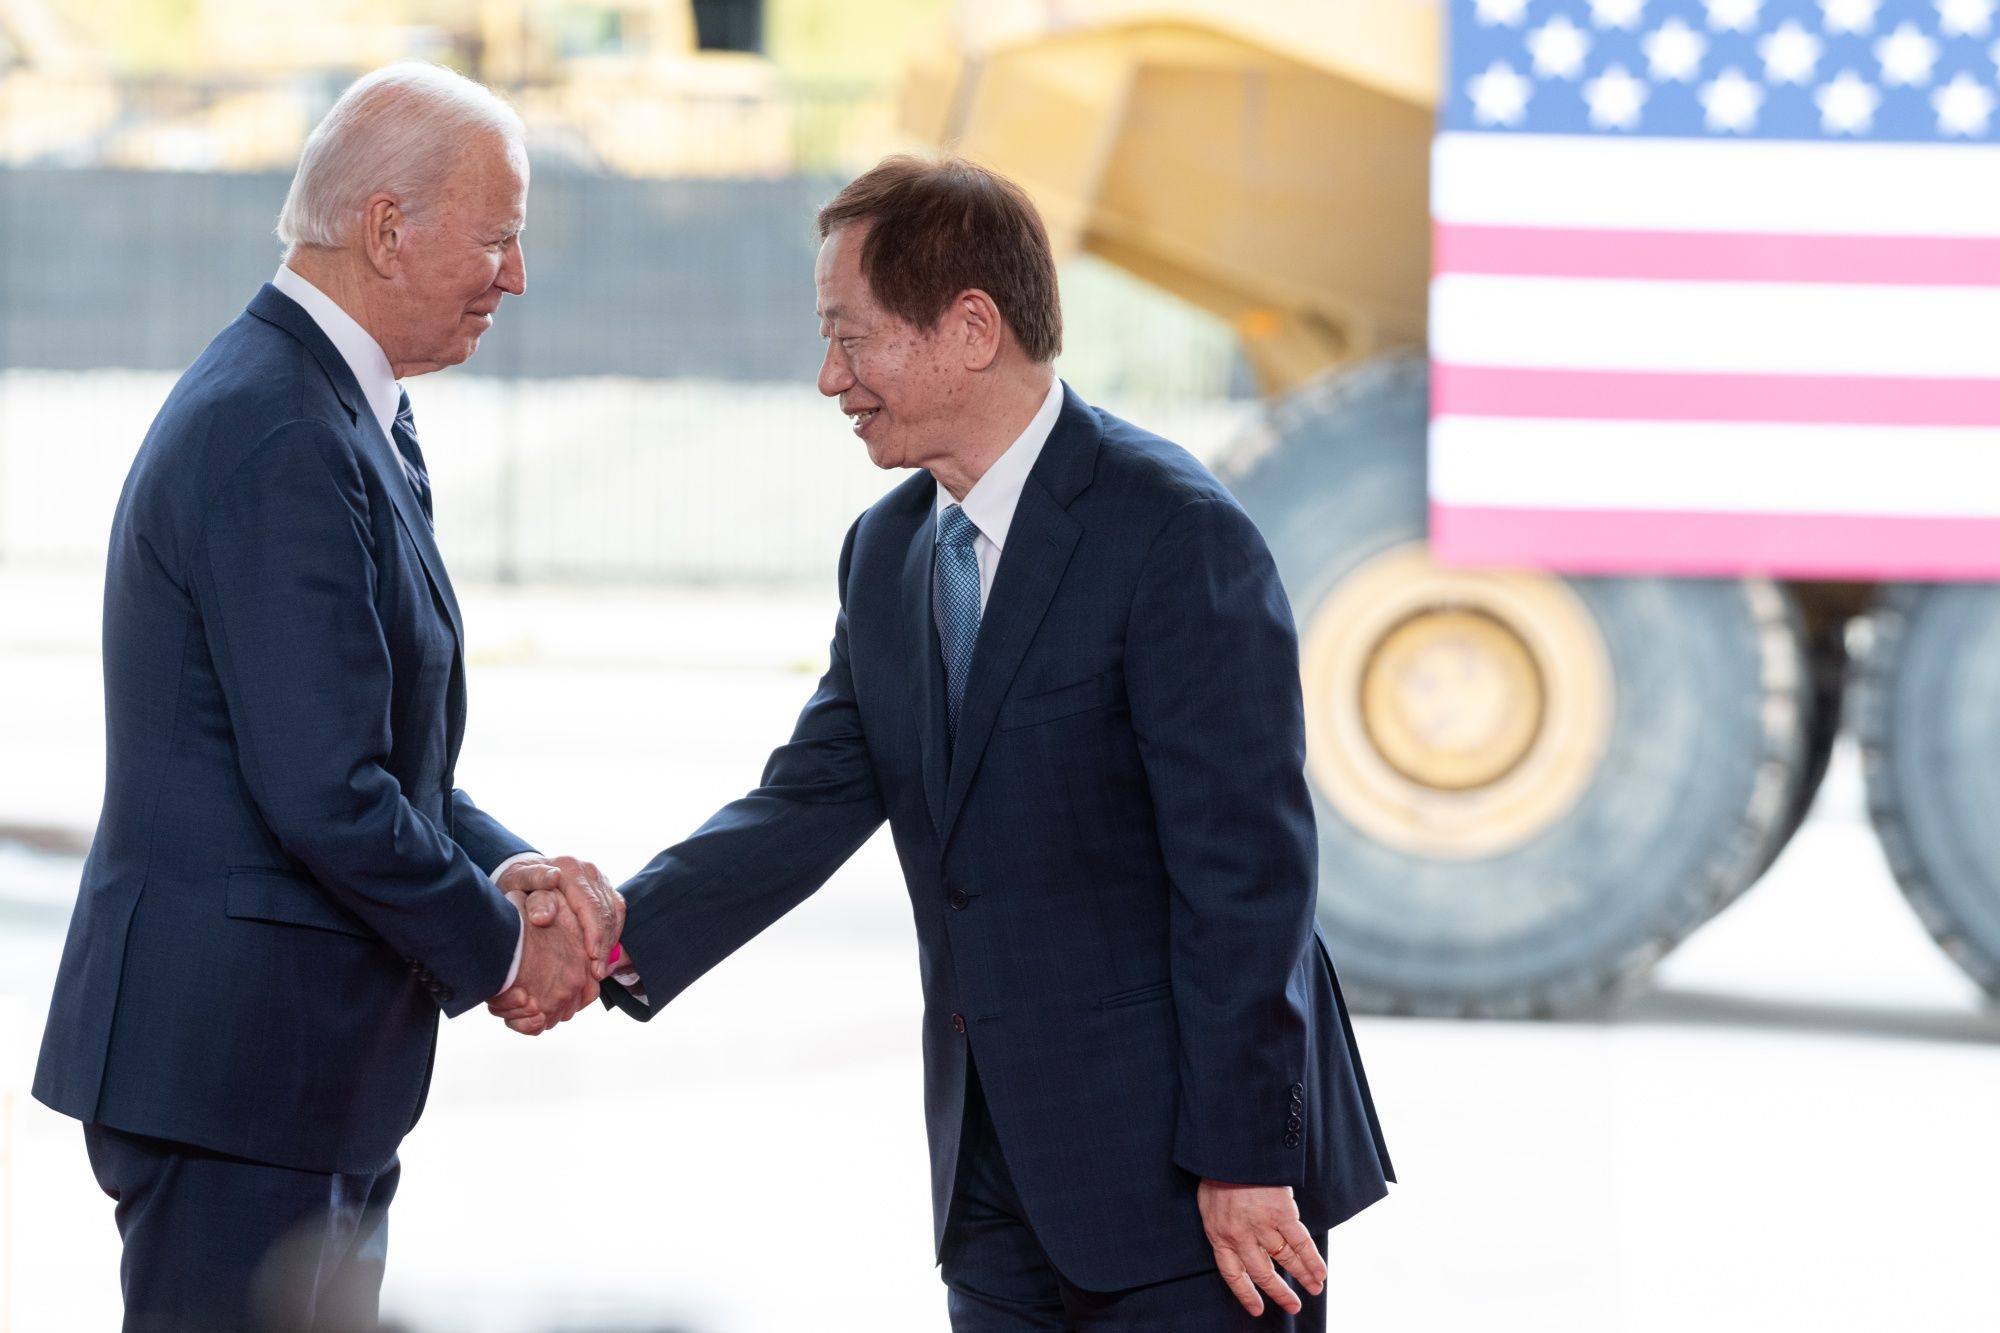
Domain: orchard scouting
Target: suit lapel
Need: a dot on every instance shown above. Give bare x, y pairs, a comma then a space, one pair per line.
1039, 544
920, 641
274, 307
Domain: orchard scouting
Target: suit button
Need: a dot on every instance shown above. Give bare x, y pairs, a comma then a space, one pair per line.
958, 1022
1298, 1091
1295, 1124
959, 900
1291, 1140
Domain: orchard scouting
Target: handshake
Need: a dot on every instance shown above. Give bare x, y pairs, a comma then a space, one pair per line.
570, 942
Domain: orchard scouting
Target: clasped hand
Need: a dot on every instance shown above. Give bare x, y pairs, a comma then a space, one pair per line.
573, 917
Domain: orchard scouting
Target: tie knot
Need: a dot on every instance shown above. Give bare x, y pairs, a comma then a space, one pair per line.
954, 528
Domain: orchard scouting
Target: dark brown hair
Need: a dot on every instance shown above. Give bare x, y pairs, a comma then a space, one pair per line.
937, 228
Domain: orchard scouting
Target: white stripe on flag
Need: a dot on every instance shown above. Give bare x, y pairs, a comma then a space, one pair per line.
1727, 327
1777, 469
1854, 189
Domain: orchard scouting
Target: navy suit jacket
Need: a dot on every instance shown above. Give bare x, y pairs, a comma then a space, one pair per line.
285, 887
1112, 871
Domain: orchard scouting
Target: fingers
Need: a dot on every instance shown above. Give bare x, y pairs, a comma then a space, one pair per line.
1291, 1246
599, 910
513, 1003
1239, 1283
544, 905
1267, 1277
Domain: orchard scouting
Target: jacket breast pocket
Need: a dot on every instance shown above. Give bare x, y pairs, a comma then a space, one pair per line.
1063, 701
275, 895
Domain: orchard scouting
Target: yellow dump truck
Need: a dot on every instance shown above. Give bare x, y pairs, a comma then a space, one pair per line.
1583, 506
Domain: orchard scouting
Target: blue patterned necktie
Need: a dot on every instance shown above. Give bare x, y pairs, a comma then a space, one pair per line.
955, 606
405, 436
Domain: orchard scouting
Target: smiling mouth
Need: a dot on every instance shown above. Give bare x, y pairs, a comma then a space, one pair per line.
860, 420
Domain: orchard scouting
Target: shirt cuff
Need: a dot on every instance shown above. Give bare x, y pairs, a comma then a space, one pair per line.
521, 940
627, 976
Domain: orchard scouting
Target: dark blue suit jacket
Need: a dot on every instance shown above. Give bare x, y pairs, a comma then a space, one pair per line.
285, 886
1112, 872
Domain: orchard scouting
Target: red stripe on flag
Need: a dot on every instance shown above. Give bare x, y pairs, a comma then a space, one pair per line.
1800, 546
1698, 256
1861, 400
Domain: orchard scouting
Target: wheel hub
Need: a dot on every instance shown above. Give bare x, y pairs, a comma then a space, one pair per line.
1453, 713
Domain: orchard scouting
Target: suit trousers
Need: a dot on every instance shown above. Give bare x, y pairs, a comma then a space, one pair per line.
998, 1279
217, 1244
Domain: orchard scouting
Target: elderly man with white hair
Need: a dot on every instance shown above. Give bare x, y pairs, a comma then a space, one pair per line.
287, 886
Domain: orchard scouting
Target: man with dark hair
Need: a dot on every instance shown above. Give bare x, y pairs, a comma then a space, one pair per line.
1065, 673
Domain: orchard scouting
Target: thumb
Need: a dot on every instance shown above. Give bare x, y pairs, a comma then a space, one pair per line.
542, 907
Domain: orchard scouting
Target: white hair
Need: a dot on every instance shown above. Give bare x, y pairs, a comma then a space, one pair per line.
399, 130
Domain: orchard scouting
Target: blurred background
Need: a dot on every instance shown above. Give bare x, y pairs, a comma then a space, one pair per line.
1541, 776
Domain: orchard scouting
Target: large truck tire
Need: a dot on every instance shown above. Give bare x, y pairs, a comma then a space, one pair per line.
1824, 619
1927, 716
1528, 788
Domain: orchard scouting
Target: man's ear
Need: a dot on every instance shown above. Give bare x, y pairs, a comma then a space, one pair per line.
383, 229
984, 330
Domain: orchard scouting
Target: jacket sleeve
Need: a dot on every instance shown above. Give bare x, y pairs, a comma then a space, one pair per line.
1212, 675
284, 577
482, 837
758, 857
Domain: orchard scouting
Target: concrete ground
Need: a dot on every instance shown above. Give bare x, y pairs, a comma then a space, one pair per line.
1793, 1130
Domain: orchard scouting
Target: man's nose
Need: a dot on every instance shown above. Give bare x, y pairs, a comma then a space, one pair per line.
835, 378
514, 269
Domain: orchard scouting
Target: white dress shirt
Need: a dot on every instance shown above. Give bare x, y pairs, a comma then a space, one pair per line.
991, 502
364, 357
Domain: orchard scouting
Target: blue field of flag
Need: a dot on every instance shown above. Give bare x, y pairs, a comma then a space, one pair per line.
1901, 71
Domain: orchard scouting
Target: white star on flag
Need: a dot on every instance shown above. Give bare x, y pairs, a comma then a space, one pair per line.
1731, 101
1507, 13
1674, 52
1907, 56
1964, 18
1849, 15
1847, 105
1964, 106
1500, 95
1559, 48
1615, 98
1790, 54
1616, 13
1733, 15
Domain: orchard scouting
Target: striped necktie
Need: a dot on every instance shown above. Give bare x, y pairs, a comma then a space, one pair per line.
405, 436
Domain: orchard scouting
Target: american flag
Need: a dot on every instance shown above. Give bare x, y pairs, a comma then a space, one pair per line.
1717, 288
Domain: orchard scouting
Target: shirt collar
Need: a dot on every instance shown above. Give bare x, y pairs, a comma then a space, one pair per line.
991, 502
364, 356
